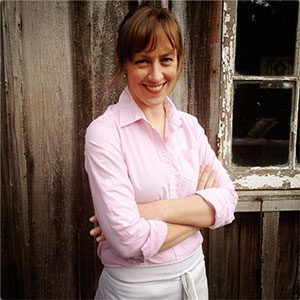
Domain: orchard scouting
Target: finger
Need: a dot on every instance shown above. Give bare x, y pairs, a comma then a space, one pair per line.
216, 182
96, 231
101, 238
202, 167
210, 180
200, 183
204, 177
93, 219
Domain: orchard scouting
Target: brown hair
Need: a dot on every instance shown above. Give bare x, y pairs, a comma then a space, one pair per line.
139, 30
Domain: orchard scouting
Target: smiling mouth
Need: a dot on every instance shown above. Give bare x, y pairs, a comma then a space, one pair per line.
154, 88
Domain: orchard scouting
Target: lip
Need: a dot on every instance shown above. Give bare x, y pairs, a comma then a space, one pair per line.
154, 89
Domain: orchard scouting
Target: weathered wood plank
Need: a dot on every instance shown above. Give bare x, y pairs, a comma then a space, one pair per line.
234, 259
104, 15
223, 262
215, 263
199, 45
214, 72
95, 27
40, 103
198, 88
15, 209
269, 254
180, 92
231, 261
51, 144
287, 281
249, 272
87, 261
271, 200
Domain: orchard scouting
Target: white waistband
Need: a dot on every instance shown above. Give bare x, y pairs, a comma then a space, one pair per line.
157, 272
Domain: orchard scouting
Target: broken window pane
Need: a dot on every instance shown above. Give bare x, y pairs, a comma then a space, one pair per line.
266, 36
261, 123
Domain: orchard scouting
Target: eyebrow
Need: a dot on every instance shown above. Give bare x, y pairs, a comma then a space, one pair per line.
172, 52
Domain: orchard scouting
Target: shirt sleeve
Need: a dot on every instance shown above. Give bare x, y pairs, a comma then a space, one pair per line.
130, 235
223, 198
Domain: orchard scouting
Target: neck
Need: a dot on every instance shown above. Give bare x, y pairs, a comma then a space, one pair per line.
157, 117
155, 113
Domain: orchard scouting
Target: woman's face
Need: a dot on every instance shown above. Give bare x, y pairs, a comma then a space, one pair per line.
152, 75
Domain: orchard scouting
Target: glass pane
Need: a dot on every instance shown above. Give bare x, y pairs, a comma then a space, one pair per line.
261, 123
266, 35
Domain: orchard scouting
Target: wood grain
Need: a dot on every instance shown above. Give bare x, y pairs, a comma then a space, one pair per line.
56, 57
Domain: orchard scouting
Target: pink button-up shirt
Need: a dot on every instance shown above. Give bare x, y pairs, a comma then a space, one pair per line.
129, 163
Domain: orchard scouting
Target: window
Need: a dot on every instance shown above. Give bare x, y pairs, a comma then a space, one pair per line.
259, 118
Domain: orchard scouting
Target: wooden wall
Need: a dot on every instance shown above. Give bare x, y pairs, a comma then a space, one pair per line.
55, 58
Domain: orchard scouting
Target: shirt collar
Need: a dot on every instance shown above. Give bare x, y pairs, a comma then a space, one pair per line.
173, 115
130, 112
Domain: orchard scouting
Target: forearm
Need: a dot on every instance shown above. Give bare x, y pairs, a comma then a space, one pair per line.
191, 210
176, 234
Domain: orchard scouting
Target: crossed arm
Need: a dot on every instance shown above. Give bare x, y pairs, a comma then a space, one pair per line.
183, 216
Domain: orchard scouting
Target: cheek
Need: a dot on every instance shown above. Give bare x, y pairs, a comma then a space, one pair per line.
173, 72
134, 77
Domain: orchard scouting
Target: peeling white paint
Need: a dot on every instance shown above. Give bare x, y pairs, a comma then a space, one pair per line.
227, 18
225, 6
262, 2
260, 178
287, 85
255, 181
228, 41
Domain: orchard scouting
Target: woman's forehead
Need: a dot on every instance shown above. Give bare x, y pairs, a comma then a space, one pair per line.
160, 42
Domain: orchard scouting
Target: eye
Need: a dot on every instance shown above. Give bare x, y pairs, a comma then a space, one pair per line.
141, 62
167, 60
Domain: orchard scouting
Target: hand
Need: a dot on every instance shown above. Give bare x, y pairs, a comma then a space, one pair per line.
207, 178
96, 232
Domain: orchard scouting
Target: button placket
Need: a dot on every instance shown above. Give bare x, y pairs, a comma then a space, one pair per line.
167, 162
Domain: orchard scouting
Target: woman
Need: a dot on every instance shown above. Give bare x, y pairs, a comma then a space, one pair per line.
155, 181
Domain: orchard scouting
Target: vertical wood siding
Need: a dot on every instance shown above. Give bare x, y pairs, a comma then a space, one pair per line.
56, 57
38, 154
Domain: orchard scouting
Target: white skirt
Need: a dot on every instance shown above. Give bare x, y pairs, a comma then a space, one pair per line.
185, 279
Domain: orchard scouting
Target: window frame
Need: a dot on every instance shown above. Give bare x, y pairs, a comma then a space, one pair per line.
269, 188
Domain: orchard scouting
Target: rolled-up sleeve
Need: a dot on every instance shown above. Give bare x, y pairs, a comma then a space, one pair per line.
128, 234
224, 197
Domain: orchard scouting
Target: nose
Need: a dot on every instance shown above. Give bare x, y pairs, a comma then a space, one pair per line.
156, 73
